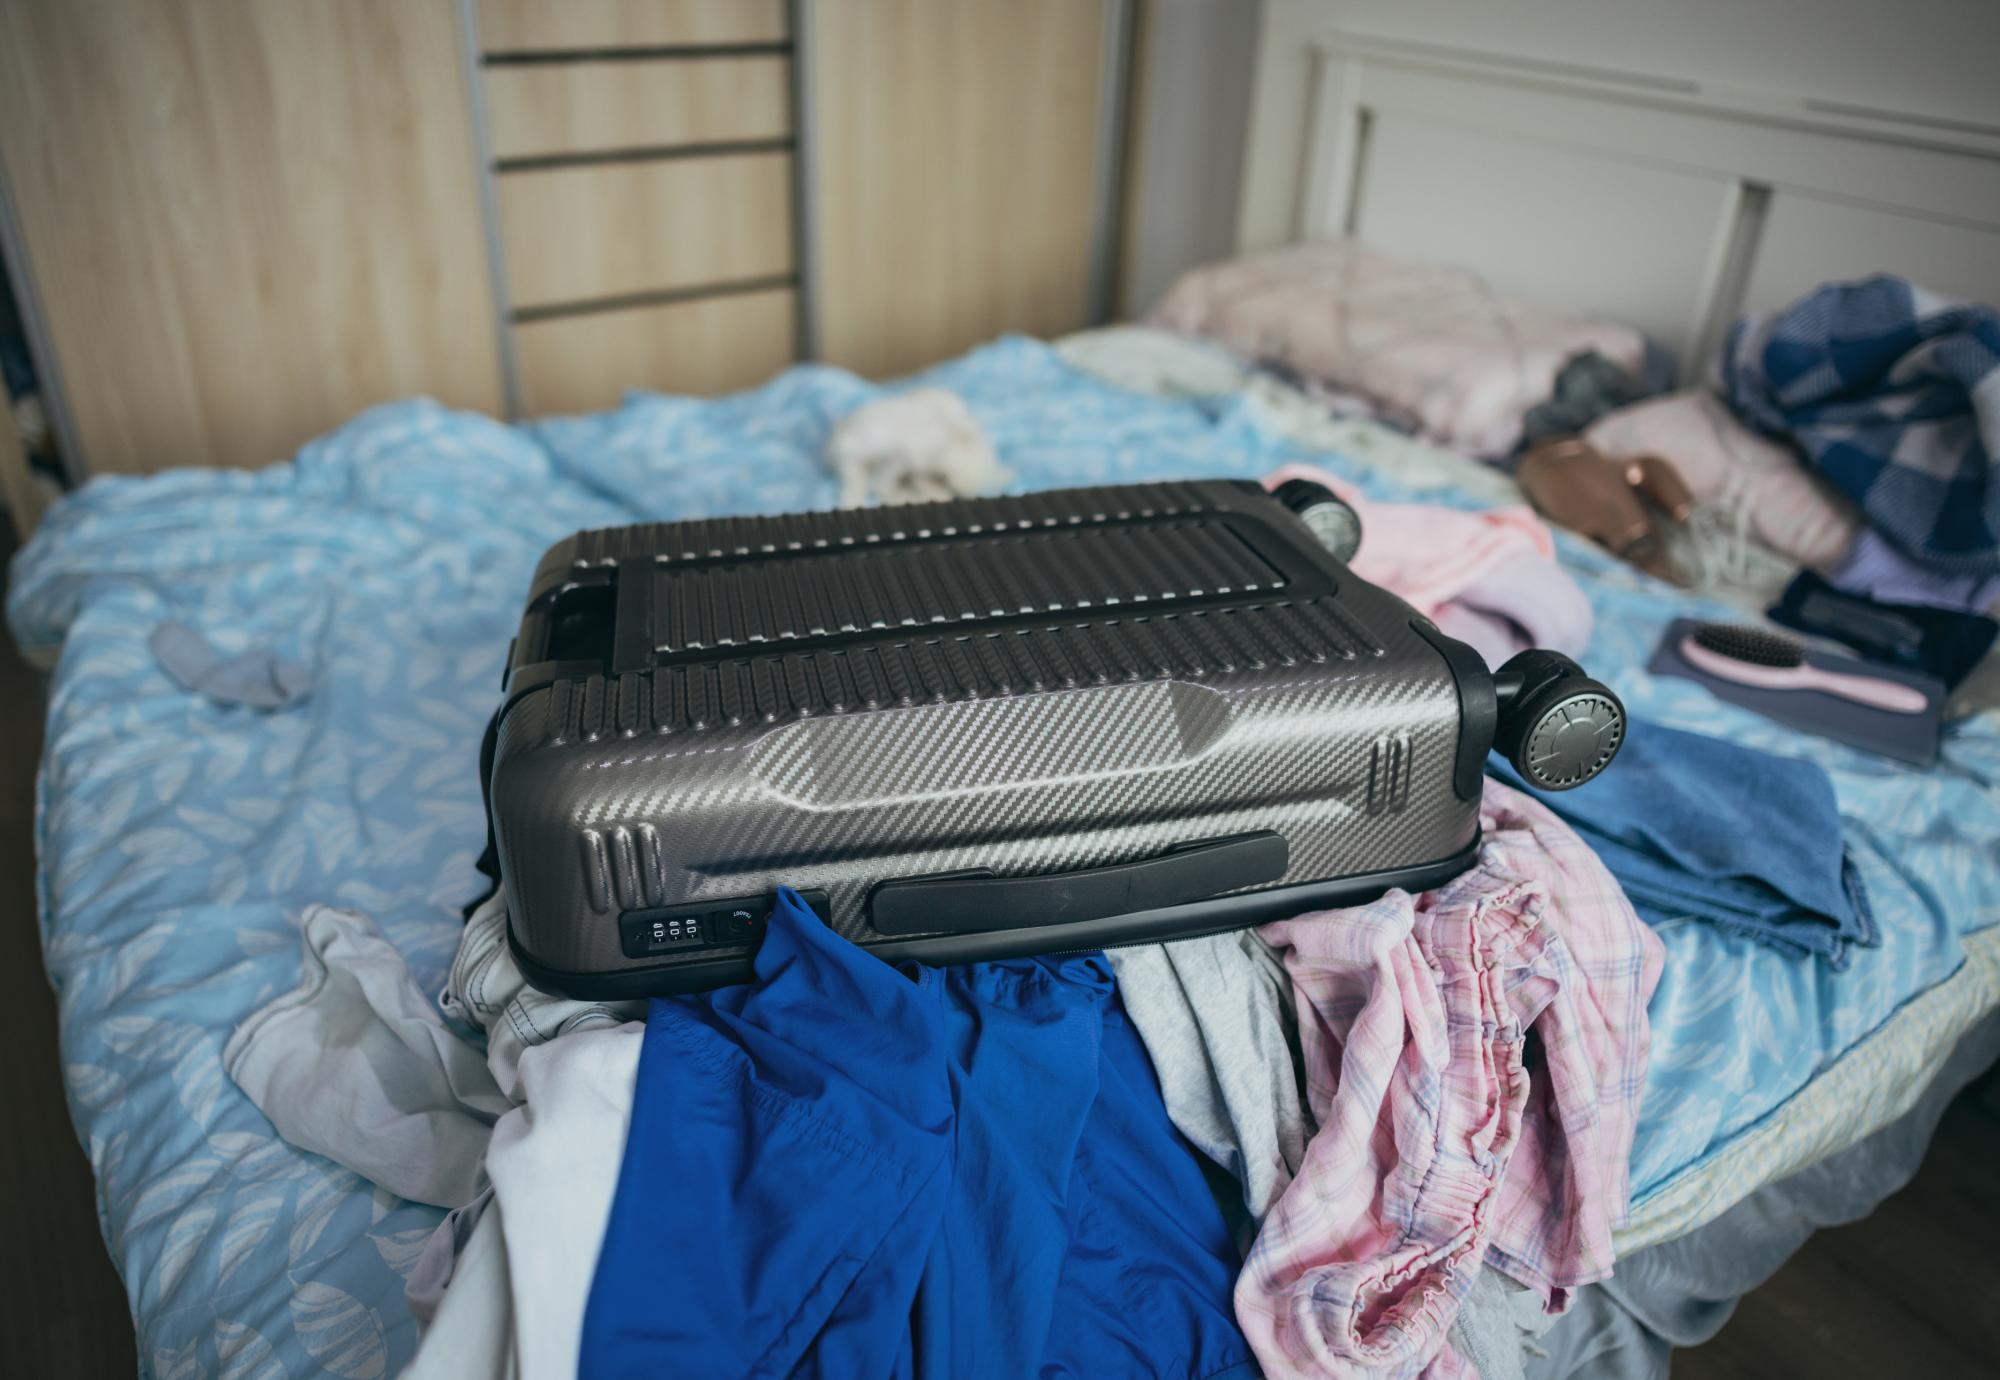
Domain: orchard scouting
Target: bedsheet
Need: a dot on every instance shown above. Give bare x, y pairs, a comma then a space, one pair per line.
177, 838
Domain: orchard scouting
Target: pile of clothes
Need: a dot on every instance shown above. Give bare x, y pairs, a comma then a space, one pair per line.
1857, 432
1851, 437
847, 1168
1387, 1140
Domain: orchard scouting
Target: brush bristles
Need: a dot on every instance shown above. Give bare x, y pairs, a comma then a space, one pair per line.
1752, 645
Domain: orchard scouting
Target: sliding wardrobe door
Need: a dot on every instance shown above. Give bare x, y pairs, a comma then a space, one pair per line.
958, 167
243, 222
643, 183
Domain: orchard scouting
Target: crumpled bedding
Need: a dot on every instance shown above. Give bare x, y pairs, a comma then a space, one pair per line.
1434, 347
178, 837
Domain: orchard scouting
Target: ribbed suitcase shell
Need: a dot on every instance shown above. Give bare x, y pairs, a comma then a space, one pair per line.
703, 711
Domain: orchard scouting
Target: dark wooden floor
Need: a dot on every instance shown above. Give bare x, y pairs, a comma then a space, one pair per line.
62, 1309
1912, 1291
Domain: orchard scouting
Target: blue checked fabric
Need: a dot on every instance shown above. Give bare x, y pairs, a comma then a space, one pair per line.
1893, 394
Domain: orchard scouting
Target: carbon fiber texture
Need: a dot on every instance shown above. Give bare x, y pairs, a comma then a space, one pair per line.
1124, 698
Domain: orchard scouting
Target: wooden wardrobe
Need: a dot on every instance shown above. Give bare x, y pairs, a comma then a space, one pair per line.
232, 225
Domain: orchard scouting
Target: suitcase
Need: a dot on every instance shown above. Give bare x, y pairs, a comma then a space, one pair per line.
985, 728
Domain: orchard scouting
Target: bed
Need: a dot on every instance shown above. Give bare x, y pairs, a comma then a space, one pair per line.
179, 838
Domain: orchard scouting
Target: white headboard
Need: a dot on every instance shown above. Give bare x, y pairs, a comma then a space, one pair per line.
1669, 204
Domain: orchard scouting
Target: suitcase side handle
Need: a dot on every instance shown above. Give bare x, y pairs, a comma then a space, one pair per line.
956, 902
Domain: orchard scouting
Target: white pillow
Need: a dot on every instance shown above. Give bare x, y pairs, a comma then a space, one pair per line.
1729, 466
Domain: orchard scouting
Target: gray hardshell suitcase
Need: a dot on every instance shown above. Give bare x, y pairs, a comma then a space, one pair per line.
985, 728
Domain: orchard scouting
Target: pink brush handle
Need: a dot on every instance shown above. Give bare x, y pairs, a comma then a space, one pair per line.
1877, 694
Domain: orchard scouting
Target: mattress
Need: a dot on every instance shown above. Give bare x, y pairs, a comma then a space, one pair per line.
177, 838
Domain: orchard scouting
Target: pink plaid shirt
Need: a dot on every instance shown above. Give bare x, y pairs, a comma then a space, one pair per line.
1446, 1140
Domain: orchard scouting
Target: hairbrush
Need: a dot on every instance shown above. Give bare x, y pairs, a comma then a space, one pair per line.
1771, 661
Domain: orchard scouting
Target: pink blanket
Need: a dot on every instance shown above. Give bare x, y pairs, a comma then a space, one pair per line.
1425, 342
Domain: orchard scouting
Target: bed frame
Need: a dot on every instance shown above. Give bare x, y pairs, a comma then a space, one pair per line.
1669, 203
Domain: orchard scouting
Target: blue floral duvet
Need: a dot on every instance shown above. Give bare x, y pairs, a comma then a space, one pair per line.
177, 836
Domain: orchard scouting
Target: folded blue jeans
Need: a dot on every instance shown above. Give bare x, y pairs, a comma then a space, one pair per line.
1697, 828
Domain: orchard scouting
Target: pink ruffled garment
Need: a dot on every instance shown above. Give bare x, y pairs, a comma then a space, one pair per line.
1489, 578
1427, 554
1439, 1149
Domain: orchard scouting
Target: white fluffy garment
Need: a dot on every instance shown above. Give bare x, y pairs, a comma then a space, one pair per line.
915, 447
